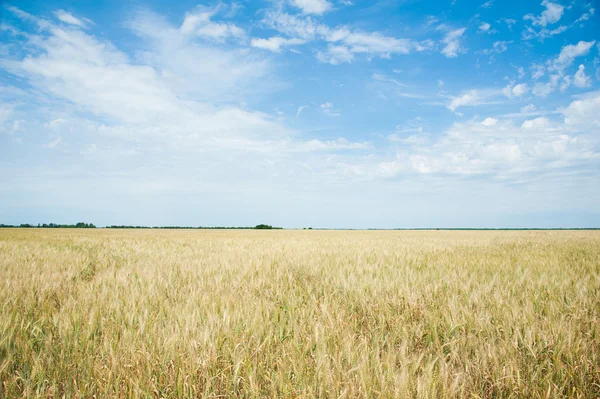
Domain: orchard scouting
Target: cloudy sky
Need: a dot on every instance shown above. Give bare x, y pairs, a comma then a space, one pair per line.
323, 113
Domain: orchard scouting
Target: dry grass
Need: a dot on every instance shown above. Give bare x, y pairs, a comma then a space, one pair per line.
299, 314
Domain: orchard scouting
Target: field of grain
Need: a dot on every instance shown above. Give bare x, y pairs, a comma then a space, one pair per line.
147, 313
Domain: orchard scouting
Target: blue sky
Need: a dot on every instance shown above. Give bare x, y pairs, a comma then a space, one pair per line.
323, 113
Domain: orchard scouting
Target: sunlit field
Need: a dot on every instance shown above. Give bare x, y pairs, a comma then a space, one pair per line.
188, 313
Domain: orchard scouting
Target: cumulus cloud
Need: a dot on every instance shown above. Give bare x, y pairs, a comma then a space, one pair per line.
489, 121
581, 79
470, 98
557, 67
502, 147
550, 15
568, 54
484, 27
517, 90
491, 145
584, 114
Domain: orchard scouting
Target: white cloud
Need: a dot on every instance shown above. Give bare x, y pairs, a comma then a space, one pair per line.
68, 18
542, 89
520, 90
275, 43
585, 16
509, 22
502, 148
497, 48
530, 33
581, 79
295, 26
336, 55
536, 124
484, 27
54, 143
145, 100
6, 111
528, 109
516, 90
300, 109
566, 82
569, 53
538, 71
396, 88
489, 121
199, 23
468, 99
557, 66
550, 15
317, 7
343, 42
584, 114
338, 144
194, 68
364, 42
487, 4
56, 123
328, 109
452, 43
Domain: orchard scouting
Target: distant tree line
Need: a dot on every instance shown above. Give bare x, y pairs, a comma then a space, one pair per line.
257, 227
175, 227
80, 225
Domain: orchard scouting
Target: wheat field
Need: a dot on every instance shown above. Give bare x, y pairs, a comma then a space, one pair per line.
221, 313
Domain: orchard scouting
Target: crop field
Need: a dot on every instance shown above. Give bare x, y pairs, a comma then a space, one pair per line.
221, 313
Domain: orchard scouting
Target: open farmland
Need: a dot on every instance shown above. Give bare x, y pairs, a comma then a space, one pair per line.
147, 313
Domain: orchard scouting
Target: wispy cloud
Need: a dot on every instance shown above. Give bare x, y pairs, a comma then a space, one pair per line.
328, 109
199, 22
68, 18
343, 43
312, 6
452, 43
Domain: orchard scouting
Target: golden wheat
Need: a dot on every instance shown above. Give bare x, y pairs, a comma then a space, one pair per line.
147, 313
